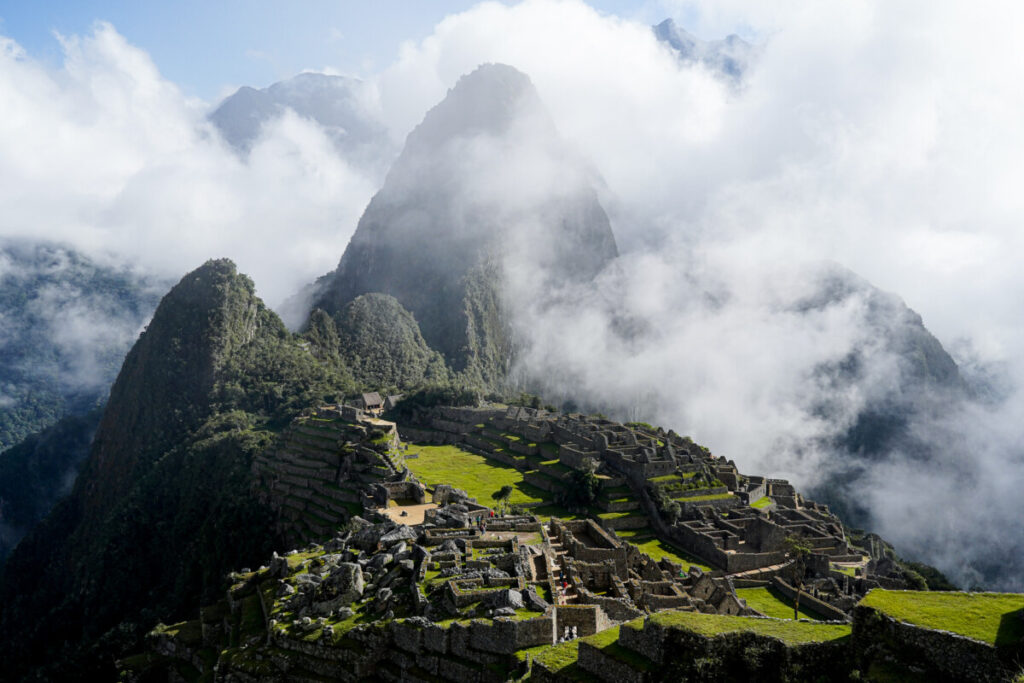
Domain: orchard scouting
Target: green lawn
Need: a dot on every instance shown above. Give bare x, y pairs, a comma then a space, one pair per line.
658, 549
621, 515
989, 617
761, 503
701, 499
477, 475
790, 632
556, 657
772, 603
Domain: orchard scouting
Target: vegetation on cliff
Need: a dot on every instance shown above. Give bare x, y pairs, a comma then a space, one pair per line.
35, 473
163, 508
381, 342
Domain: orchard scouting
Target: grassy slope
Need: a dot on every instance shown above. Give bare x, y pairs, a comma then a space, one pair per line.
771, 603
790, 632
658, 549
477, 475
989, 617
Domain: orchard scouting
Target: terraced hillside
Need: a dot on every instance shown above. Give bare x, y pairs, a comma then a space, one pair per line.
317, 474
388, 602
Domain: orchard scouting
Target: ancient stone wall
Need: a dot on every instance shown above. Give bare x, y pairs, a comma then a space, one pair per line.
950, 655
809, 601
588, 619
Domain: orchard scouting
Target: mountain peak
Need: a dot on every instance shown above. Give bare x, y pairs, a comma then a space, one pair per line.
488, 100
484, 178
729, 57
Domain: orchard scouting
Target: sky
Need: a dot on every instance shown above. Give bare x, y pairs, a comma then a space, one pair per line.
880, 136
211, 48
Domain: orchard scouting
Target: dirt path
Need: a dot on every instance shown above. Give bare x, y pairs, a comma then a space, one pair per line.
414, 513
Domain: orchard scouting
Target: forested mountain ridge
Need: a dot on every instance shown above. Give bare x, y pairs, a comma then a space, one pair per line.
163, 506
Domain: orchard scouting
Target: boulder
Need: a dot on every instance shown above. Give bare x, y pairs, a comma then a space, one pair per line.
307, 579
344, 584
507, 598
534, 601
449, 546
278, 567
399, 533
381, 560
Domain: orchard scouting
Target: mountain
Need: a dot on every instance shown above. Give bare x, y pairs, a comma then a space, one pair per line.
923, 383
66, 322
164, 504
341, 105
730, 56
484, 191
381, 343
37, 472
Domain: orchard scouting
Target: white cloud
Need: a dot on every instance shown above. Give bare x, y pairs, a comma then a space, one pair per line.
880, 135
105, 154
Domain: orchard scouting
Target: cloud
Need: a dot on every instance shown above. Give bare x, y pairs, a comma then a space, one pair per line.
880, 136
105, 154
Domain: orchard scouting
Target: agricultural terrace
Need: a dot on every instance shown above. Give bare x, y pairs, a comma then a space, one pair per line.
990, 617
771, 603
790, 632
475, 474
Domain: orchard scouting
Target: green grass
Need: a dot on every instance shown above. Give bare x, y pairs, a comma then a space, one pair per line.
607, 642
700, 499
189, 632
989, 617
477, 475
659, 549
620, 515
558, 657
790, 632
849, 571
771, 603
762, 503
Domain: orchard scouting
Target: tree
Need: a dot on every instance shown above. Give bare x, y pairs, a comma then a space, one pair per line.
799, 552
583, 486
502, 495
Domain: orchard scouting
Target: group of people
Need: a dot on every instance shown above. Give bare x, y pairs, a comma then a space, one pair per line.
569, 634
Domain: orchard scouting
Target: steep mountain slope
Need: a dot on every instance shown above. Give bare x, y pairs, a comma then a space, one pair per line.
382, 345
922, 383
66, 322
37, 472
484, 188
163, 505
341, 105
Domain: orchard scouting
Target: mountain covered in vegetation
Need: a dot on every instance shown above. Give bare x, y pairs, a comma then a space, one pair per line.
38, 472
485, 207
163, 507
457, 213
